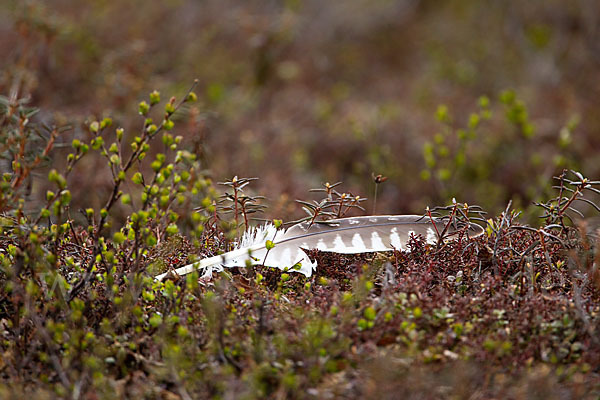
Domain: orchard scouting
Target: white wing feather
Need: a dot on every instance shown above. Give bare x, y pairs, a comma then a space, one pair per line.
345, 235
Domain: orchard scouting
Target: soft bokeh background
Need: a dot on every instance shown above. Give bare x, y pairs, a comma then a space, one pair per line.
298, 93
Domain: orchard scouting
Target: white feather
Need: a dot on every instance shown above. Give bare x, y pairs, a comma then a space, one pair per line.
344, 235
258, 235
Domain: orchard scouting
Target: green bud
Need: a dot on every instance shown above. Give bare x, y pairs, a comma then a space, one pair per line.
151, 240
119, 238
12, 250
58, 179
143, 108
94, 127
164, 200
155, 321
126, 199
417, 312
168, 124
473, 120
156, 165
167, 139
191, 97
106, 123
154, 97
65, 197
484, 102
137, 178
370, 313
97, 142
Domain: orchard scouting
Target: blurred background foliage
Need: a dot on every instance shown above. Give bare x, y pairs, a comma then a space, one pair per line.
482, 101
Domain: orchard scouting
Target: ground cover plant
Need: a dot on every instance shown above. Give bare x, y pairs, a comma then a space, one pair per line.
512, 314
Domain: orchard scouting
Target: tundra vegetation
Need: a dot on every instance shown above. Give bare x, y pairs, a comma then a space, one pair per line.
106, 183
